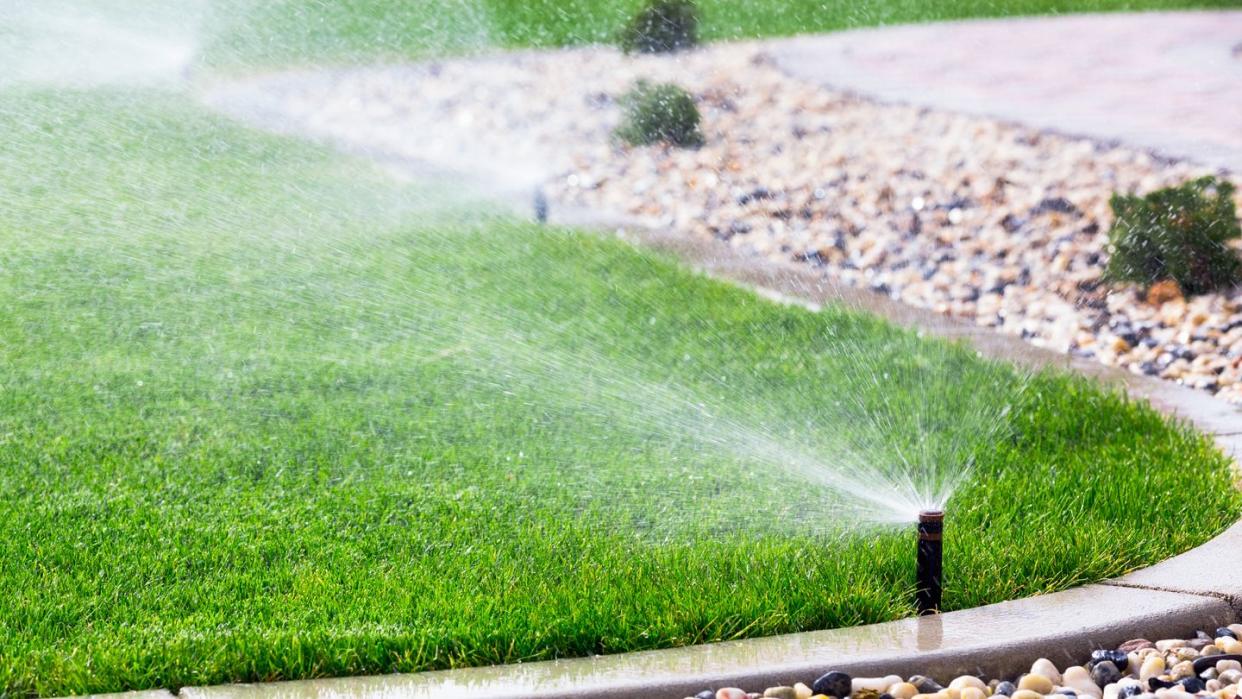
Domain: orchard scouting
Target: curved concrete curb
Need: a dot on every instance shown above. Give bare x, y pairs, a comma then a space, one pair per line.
987, 640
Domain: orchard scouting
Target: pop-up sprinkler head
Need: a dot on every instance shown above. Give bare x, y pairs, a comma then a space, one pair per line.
928, 573
541, 206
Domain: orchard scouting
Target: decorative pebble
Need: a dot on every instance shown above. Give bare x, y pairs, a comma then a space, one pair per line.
730, 693
1158, 683
1104, 673
1205, 662
967, 681
1037, 683
1231, 646
834, 684
1119, 658
780, 693
1005, 689
1044, 667
925, 685
1135, 644
1192, 684
1152, 666
1184, 668
875, 684
1169, 644
1079, 679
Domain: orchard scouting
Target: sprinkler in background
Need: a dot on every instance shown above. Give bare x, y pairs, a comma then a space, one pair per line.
541, 206
928, 573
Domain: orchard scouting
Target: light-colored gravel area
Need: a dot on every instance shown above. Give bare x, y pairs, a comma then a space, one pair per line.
1208, 665
965, 215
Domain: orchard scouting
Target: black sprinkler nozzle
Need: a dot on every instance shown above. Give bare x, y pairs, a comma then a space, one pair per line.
929, 566
541, 206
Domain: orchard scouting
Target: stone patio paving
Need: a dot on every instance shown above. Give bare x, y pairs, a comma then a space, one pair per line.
1171, 82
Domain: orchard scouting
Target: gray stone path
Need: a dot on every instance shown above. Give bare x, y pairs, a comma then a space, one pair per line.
1170, 82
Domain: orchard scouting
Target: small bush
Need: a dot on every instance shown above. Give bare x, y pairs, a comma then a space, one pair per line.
1178, 233
659, 113
662, 26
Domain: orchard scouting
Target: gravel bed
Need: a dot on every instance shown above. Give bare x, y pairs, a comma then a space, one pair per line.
1209, 665
962, 215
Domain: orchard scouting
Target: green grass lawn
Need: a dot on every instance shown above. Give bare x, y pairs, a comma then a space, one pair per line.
239, 32
266, 412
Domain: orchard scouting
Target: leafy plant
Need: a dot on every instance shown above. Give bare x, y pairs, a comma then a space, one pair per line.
1179, 233
662, 26
659, 113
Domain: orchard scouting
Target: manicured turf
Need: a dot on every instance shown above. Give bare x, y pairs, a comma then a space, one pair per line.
267, 414
239, 32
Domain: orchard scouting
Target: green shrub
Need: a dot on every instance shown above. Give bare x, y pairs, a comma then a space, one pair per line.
1178, 233
659, 113
662, 26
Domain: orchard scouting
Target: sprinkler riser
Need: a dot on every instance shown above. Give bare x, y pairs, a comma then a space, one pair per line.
929, 567
541, 206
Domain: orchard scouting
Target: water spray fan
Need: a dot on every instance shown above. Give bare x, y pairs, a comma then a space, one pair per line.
928, 571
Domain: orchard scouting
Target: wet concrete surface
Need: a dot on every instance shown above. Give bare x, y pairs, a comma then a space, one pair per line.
1063, 627
1208, 570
